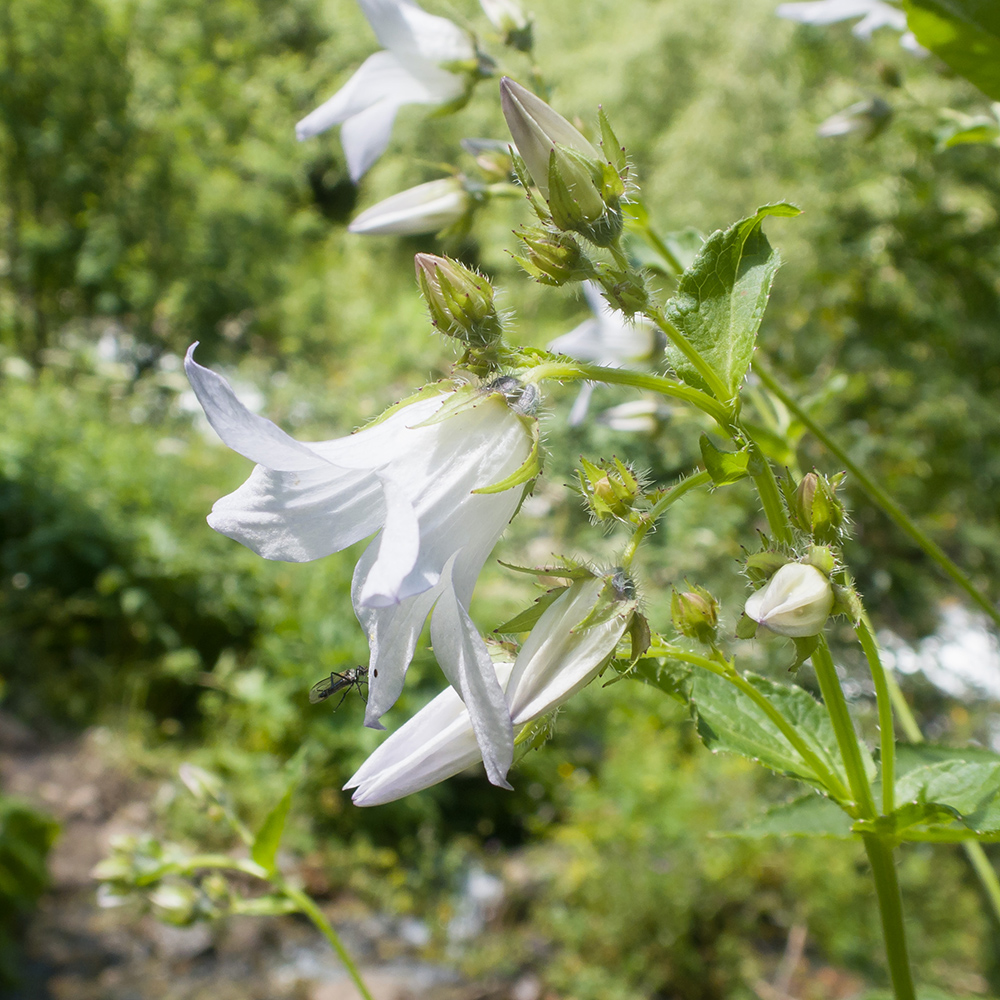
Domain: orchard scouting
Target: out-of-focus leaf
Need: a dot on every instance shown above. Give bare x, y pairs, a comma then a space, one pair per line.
808, 816
965, 34
265, 844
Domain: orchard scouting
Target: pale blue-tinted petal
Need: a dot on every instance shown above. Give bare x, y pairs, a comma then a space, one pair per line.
300, 516
250, 435
465, 660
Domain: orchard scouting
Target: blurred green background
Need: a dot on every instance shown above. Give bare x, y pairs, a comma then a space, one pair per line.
152, 194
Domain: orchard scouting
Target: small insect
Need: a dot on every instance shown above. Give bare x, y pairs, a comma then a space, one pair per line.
338, 681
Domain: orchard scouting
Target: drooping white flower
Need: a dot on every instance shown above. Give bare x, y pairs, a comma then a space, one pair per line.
426, 208
421, 64
874, 14
568, 646
608, 338
796, 601
867, 117
505, 15
412, 477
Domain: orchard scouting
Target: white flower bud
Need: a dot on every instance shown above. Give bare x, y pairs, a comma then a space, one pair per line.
426, 208
796, 601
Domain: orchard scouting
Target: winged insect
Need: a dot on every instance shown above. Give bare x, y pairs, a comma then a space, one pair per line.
338, 681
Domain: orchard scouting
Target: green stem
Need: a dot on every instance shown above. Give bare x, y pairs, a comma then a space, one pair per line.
767, 489
843, 727
301, 900
887, 731
570, 371
823, 774
892, 509
315, 914
890, 907
704, 369
653, 514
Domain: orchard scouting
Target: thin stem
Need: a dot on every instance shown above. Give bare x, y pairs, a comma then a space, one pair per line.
767, 490
573, 371
843, 727
315, 914
823, 774
302, 902
653, 514
890, 907
719, 389
892, 509
887, 732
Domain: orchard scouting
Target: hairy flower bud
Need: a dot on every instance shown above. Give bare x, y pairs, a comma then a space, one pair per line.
796, 601
582, 189
459, 300
695, 614
816, 508
553, 258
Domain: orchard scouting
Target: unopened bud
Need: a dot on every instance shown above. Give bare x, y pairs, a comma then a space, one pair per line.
582, 189
459, 300
611, 489
553, 258
817, 509
795, 602
695, 614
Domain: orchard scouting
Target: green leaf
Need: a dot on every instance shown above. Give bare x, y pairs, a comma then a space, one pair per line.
809, 816
965, 34
265, 844
721, 298
525, 620
729, 721
670, 676
725, 467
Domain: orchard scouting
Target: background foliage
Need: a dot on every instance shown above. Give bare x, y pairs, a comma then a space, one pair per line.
152, 194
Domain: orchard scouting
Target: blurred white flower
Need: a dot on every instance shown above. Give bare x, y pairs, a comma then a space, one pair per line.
868, 118
564, 652
608, 338
636, 416
422, 63
873, 13
505, 15
796, 601
426, 208
411, 479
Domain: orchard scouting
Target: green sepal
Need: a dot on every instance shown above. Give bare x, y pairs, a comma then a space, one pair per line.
525, 620
725, 467
613, 149
805, 646
640, 636
569, 569
424, 392
524, 179
746, 627
761, 566
527, 470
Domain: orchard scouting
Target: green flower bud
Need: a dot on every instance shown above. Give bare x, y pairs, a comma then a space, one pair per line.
460, 301
611, 489
695, 614
816, 509
553, 258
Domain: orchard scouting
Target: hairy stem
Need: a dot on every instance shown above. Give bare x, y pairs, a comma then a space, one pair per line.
887, 732
650, 518
890, 907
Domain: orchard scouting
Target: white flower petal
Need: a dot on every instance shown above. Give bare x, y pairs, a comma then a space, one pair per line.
880, 16
558, 658
300, 516
466, 663
365, 136
405, 28
795, 602
397, 546
250, 435
826, 11
426, 208
578, 412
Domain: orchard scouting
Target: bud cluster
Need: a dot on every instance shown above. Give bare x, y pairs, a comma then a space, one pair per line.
611, 489
459, 300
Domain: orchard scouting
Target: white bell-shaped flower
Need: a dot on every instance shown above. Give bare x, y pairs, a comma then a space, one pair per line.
608, 338
874, 14
566, 649
413, 477
796, 601
415, 67
426, 208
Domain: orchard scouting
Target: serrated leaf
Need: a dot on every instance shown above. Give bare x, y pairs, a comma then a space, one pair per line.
725, 467
965, 34
265, 844
809, 816
525, 620
721, 298
670, 676
729, 721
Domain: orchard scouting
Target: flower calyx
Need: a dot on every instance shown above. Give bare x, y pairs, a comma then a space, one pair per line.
552, 257
610, 489
459, 300
582, 189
